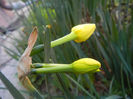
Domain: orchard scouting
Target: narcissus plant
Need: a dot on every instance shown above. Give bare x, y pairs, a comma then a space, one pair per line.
79, 33
84, 65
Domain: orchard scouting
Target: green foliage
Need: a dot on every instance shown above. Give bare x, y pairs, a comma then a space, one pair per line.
14, 92
111, 44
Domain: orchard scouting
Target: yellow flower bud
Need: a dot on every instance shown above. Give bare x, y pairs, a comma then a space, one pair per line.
86, 65
83, 31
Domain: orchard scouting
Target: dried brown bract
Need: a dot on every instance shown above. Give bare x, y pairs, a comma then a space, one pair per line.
25, 60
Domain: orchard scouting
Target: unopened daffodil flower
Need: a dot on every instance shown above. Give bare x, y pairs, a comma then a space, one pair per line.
79, 33
84, 65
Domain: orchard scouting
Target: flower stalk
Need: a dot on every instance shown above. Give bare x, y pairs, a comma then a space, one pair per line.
51, 68
64, 39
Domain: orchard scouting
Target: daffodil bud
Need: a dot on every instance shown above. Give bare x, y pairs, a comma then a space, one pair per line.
83, 31
79, 33
86, 65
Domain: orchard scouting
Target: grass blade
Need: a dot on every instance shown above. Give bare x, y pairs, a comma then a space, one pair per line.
14, 92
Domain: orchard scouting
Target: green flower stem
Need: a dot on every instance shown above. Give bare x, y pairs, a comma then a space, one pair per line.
64, 39
37, 49
53, 68
45, 65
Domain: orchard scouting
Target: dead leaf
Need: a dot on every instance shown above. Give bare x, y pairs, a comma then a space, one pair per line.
25, 60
